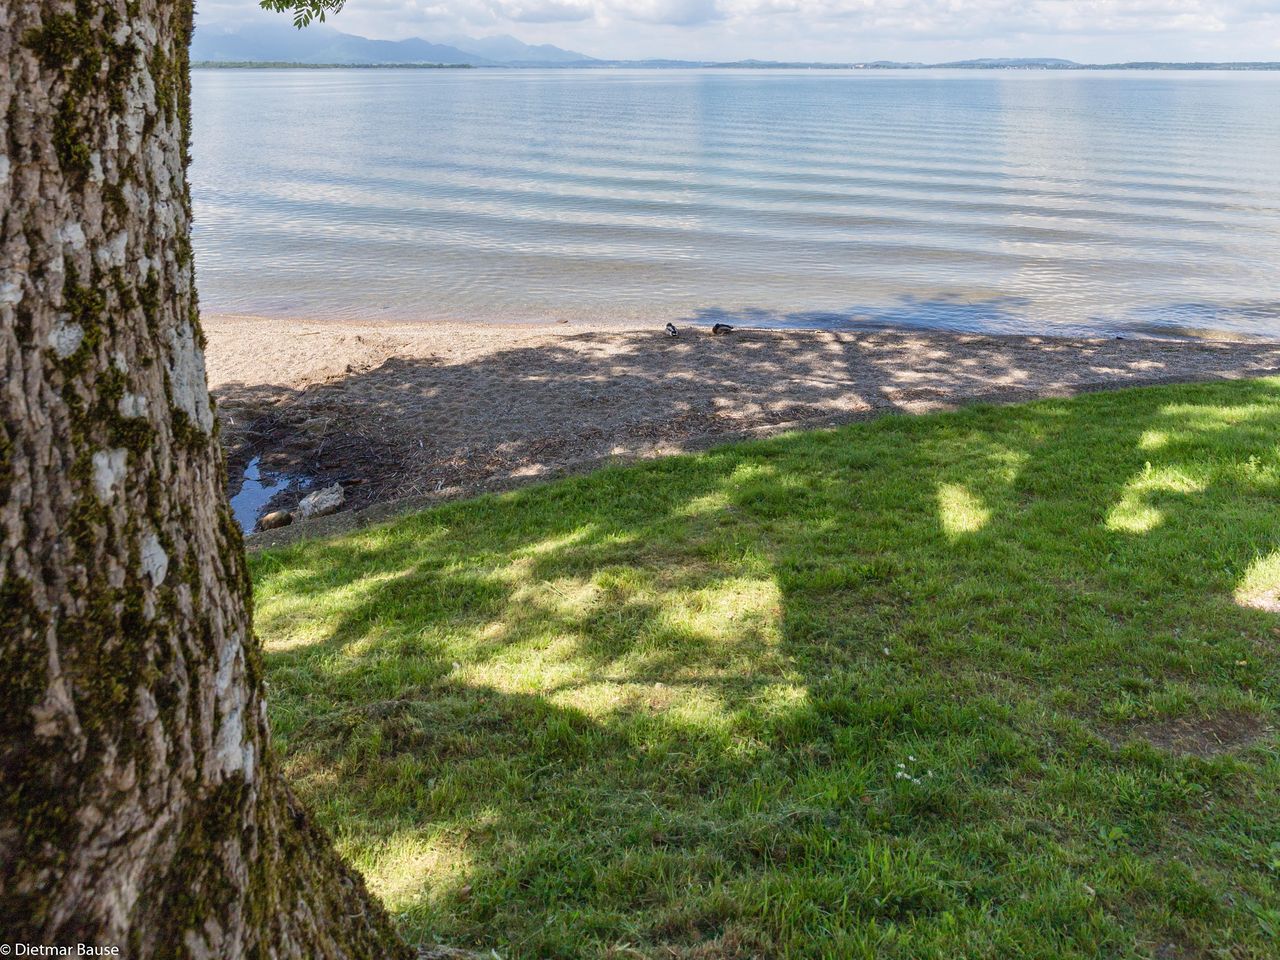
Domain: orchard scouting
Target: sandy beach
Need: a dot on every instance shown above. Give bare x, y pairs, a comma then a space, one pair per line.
431, 411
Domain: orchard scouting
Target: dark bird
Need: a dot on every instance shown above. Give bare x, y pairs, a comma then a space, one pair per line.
672, 331
721, 328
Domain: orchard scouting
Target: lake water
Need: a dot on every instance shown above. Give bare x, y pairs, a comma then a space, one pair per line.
994, 200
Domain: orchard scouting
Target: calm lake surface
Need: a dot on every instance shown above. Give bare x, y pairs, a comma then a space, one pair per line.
1005, 201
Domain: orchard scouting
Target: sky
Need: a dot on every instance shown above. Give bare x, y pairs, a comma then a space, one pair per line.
1092, 31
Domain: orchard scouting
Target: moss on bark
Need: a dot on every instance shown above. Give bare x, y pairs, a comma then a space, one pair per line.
140, 804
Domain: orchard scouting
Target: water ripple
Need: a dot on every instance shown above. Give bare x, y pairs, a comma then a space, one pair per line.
1004, 201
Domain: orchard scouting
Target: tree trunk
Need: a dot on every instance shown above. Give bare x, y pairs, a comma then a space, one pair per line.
140, 804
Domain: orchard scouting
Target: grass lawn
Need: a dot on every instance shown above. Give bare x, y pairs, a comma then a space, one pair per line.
999, 683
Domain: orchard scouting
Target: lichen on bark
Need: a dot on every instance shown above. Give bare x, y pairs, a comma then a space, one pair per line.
140, 805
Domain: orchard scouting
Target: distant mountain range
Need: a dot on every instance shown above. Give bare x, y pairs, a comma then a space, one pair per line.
507, 49
318, 44
281, 44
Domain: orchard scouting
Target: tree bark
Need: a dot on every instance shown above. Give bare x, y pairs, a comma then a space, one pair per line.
140, 803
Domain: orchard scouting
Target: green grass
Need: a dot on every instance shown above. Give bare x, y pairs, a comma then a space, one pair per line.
893, 690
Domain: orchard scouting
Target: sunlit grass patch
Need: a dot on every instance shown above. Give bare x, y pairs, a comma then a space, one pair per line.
960, 511
1135, 512
408, 872
1260, 586
993, 683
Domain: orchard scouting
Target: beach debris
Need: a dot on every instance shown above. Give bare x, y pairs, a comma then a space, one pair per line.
439, 951
322, 502
672, 331
318, 425
721, 328
274, 519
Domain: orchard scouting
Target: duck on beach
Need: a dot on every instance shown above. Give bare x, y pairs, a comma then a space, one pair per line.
719, 329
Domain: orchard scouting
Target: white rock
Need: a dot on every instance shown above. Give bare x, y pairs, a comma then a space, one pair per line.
275, 519
322, 502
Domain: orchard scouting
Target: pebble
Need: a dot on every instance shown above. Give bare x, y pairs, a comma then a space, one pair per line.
322, 502
274, 519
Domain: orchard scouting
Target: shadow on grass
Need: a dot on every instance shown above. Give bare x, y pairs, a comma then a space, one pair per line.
857, 692
410, 425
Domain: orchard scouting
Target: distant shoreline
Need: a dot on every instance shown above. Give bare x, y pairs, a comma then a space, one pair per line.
1243, 67
294, 65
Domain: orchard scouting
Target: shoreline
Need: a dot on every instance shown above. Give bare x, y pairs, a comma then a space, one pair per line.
407, 413
640, 322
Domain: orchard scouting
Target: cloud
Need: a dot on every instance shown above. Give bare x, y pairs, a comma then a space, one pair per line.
680, 13
1094, 30
1001, 18
542, 11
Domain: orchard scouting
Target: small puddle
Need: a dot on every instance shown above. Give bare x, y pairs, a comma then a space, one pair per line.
256, 492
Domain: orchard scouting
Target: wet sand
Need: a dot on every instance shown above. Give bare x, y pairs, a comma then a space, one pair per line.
404, 414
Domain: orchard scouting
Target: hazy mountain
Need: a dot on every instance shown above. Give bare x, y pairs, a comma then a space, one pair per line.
507, 49
282, 43
316, 44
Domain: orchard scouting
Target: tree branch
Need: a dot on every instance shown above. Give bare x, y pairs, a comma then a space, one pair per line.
304, 11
